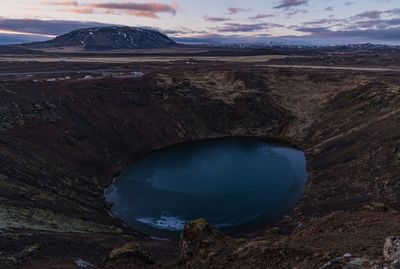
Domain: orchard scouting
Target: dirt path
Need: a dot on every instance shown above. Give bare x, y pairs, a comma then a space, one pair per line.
374, 69
136, 59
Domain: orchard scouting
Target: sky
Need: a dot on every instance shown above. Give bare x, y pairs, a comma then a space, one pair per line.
325, 22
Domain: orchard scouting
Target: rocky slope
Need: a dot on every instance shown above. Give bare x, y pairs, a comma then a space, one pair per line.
107, 38
62, 142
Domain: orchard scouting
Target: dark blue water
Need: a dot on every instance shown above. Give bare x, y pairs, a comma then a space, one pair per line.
236, 184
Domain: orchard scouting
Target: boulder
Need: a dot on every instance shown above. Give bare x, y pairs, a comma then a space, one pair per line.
391, 249
395, 265
197, 235
347, 261
130, 251
29, 251
376, 206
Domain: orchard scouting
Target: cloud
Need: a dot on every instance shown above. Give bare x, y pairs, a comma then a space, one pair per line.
60, 3
373, 14
221, 39
370, 35
261, 16
320, 36
238, 27
295, 12
368, 26
330, 21
82, 10
8, 39
180, 31
148, 10
362, 21
378, 24
143, 8
291, 3
53, 27
359, 22
395, 11
216, 19
235, 10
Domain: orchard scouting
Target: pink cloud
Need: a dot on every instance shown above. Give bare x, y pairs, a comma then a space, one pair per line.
61, 3
147, 10
82, 10
138, 7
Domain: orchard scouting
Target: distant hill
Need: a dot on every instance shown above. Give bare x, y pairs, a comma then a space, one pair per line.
11, 39
15, 50
107, 38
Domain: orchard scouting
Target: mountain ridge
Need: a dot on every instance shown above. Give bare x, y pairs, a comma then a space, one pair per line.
107, 38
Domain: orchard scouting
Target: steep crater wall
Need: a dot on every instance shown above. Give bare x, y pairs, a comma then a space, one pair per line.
62, 143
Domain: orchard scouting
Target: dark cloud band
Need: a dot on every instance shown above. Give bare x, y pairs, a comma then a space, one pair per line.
291, 3
45, 27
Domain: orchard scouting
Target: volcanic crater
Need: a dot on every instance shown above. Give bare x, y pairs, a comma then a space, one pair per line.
62, 143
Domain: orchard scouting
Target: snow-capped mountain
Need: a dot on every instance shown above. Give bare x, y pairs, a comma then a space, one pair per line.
108, 38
